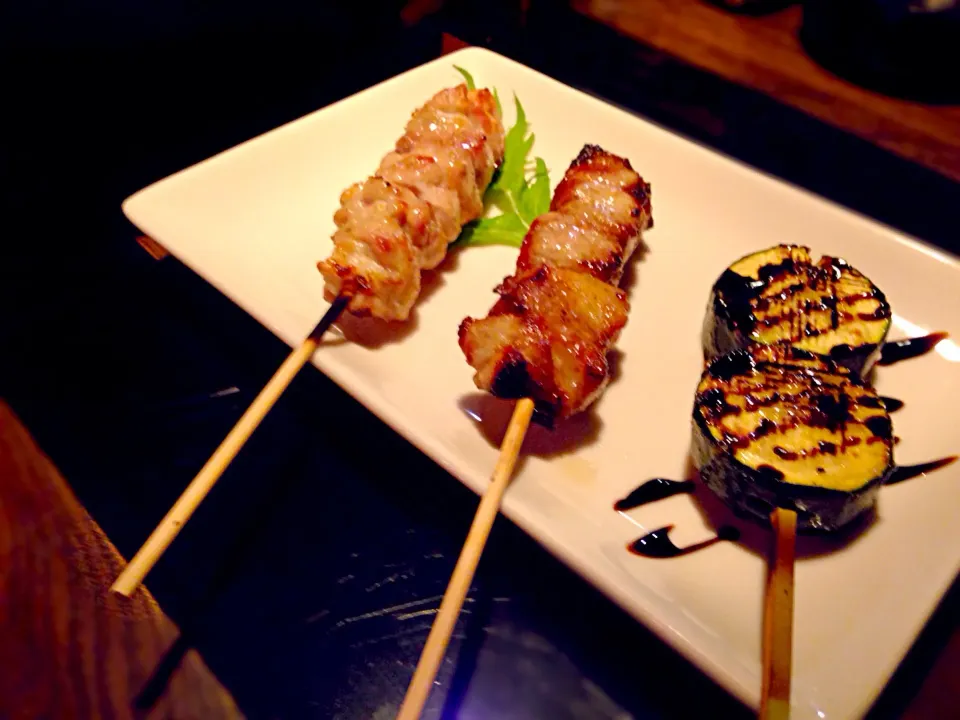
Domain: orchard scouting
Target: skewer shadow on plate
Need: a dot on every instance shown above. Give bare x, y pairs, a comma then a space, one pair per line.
492, 416
631, 273
374, 333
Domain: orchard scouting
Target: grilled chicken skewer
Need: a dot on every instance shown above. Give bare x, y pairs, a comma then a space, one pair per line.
545, 342
548, 335
390, 227
398, 222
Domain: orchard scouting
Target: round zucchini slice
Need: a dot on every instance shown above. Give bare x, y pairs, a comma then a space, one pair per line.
781, 295
777, 426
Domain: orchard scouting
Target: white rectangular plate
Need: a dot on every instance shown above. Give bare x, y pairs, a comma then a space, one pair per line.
253, 221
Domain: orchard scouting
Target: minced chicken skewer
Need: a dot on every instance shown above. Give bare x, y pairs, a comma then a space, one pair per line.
390, 227
399, 222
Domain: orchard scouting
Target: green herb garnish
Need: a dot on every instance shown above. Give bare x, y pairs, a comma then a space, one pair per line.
519, 199
467, 77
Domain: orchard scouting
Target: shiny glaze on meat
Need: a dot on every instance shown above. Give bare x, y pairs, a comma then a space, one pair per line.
549, 334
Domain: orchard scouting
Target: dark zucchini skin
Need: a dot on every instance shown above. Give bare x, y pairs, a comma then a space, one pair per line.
754, 492
720, 334
729, 321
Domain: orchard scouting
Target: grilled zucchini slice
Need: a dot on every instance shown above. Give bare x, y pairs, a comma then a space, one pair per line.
781, 295
775, 425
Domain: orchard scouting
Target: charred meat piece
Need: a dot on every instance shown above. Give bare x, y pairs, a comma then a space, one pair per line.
549, 334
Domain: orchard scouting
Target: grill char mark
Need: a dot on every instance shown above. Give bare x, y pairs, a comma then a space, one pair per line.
564, 291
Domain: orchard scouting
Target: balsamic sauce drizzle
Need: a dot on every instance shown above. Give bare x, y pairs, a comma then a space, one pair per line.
657, 544
891, 404
653, 490
894, 352
738, 297
906, 472
735, 299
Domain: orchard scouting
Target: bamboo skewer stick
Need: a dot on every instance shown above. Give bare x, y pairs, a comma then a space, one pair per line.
197, 490
778, 619
436, 645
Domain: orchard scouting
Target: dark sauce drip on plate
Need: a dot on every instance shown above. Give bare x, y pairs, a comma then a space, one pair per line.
653, 490
657, 544
894, 352
907, 472
892, 404
882, 401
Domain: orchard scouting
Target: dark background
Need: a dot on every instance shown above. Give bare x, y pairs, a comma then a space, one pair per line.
301, 578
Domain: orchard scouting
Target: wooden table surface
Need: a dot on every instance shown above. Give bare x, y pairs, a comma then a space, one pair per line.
69, 648
765, 54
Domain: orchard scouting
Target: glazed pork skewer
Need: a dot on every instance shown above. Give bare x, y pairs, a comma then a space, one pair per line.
390, 228
548, 336
546, 341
